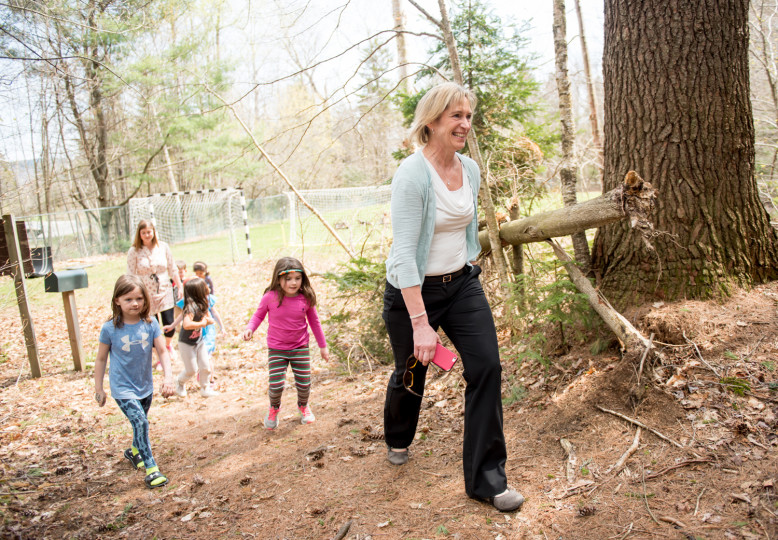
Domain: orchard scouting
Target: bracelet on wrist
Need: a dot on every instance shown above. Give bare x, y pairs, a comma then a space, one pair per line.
419, 314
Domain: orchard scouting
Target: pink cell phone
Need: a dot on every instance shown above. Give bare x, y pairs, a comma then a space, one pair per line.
444, 358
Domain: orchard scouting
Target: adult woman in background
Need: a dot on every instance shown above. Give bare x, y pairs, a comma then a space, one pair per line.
432, 283
152, 261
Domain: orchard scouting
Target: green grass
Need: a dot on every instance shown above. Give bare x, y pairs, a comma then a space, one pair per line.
216, 250
553, 201
269, 240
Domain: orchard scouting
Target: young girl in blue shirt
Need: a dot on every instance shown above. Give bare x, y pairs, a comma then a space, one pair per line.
128, 338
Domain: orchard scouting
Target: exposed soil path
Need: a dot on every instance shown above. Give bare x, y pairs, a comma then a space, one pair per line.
63, 475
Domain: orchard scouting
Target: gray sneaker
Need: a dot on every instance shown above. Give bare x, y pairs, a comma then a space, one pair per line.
508, 501
180, 388
206, 391
397, 458
271, 420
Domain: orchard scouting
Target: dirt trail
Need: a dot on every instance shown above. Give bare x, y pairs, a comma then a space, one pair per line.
63, 476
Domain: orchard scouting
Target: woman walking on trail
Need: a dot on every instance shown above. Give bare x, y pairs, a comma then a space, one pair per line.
432, 282
128, 338
290, 303
151, 260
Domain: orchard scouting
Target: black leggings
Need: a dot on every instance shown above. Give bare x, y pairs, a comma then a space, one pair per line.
165, 318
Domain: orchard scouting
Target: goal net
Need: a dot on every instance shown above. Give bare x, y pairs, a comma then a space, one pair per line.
360, 216
185, 216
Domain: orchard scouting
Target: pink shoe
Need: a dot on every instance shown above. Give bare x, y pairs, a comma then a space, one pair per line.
307, 415
271, 420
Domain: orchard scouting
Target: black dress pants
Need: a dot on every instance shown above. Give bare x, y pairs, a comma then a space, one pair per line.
460, 308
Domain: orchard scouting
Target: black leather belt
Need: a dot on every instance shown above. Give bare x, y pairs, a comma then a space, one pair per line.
444, 278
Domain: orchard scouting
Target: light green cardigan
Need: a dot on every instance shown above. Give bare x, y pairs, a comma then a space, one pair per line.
413, 220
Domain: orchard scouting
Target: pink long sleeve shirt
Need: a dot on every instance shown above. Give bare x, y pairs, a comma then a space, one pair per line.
288, 323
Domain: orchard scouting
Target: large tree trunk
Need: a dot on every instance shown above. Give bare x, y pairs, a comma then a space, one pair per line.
677, 110
568, 168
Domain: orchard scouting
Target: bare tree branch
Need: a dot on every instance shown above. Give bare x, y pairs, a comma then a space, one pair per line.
424, 12
282, 175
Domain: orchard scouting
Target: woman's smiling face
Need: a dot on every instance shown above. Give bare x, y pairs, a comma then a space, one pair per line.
450, 130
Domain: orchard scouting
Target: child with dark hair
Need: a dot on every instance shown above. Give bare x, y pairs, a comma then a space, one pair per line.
201, 270
195, 317
290, 303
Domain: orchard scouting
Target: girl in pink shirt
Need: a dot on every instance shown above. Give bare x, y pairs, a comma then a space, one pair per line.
290, 303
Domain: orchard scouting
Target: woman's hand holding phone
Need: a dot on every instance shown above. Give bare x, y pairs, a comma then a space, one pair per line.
444, 358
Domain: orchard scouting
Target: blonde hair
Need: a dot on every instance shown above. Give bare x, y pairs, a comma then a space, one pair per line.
432, 105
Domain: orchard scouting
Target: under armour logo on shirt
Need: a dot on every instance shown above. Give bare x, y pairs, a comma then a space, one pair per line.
143, 341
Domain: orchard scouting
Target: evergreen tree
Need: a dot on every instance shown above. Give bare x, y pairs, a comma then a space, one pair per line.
497, 68
494, 65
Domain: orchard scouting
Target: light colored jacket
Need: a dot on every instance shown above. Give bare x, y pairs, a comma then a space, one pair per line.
413, 220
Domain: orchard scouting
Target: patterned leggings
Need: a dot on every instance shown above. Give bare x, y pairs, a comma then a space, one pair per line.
278, 360
136, 411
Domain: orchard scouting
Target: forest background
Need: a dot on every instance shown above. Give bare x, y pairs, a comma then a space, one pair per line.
107, 101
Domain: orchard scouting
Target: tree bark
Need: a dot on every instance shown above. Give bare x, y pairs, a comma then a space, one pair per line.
567, 169
402, 55
518, 250
677, 107
593, 121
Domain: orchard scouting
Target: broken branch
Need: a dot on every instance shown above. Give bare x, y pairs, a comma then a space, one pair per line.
677, 466
343, 531
627, 334
626, 455
570, 465
640, 424
631, 199
669, 519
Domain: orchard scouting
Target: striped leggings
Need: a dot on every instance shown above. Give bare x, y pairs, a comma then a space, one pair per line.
278, 360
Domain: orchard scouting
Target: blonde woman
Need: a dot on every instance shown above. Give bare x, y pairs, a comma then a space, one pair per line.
432, 282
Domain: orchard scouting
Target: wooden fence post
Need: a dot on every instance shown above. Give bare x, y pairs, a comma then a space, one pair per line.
74, 332
17, 267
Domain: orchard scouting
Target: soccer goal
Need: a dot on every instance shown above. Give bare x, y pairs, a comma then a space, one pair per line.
185, 216
360, 216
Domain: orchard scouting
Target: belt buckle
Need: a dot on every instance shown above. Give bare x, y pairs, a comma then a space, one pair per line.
446, 278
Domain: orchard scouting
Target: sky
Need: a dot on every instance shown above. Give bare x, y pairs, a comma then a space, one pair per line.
538, 13
315, 39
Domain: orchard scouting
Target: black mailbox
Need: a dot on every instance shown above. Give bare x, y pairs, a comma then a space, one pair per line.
66, 280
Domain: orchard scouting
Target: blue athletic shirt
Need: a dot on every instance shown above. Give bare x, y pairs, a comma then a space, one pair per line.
130, 358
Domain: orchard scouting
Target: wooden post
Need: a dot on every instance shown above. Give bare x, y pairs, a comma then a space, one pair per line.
15, 261
74, 332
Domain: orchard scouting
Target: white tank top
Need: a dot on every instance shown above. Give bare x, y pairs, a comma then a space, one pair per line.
454, 212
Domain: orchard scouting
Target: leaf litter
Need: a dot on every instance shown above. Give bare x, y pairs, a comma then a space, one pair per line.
62, 473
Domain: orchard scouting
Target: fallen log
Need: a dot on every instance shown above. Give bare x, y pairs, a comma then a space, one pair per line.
633, 199
629, 336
